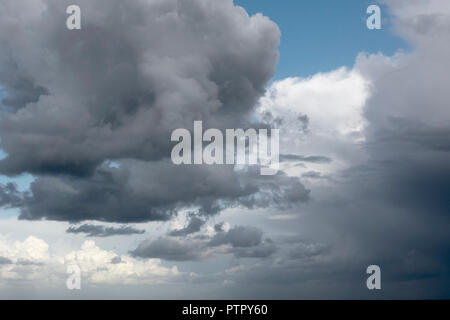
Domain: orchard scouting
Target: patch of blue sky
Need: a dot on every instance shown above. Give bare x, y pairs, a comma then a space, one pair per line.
323, 35
22, 181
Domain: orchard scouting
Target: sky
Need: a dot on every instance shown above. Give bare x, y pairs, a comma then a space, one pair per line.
320, 36
86, 176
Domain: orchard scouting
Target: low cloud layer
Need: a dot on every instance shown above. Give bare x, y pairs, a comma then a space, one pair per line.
241, 241
103, 231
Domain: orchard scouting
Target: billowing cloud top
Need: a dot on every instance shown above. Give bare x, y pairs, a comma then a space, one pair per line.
115, 90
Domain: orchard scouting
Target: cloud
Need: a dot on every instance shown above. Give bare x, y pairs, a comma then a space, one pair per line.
241, 241
333, 104
193, 226
170, 249
313, 175
307, 250
103, 231
140, 192
296, 157
239, 236
384, 124
128, 92
262, 250
30, 263
101, 267
9, 195
4, 260
389, 143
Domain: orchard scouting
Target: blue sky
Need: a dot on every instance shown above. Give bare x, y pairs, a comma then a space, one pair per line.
322, 35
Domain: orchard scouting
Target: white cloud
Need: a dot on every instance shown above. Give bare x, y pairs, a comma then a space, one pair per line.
31, 263
97, 265
332, 105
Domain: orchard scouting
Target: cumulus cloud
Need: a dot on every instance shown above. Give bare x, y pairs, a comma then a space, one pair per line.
128, 92
321, 120
100, 266
30, 262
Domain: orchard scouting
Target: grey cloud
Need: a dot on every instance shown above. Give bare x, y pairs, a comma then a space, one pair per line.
219, 226
241, 241
10, 196
24, 262
116, 260
263, 250
194, 225
103, 231
155, 191
296, 157
239, 236
391, 210
169, 249
313, 175
4, 261
87, 102
152, 72
21, 92
307, 250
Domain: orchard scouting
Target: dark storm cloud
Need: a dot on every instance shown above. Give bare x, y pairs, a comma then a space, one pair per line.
103, 231
155, 191
115, 90
391, 210
129, 77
